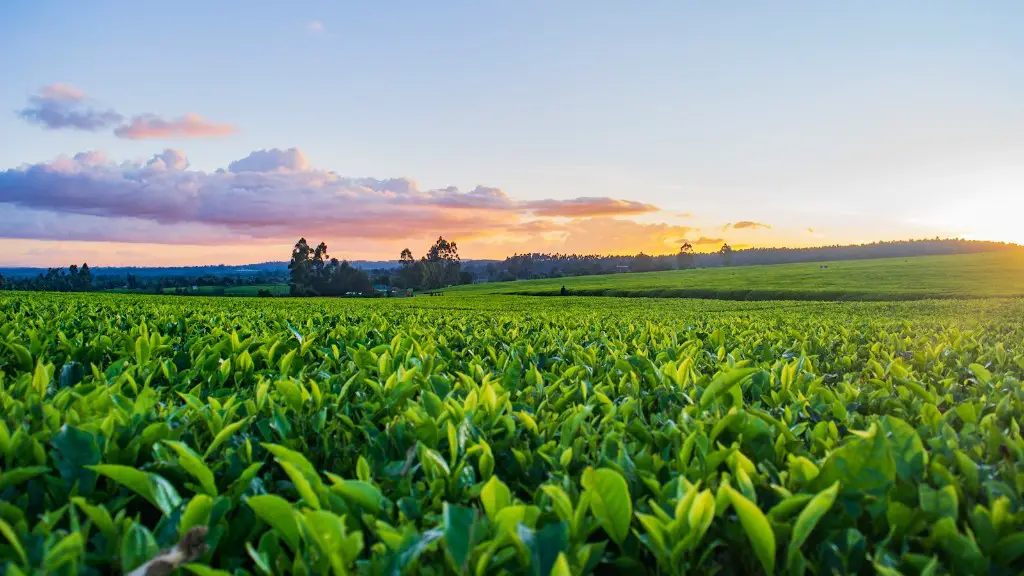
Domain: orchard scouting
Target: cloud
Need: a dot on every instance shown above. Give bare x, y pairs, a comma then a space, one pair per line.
584, 207
270, 161
747, 224
63, 106
168, 160
60, 106
272, 195
810, 230
316, 27
151, 126
704, 240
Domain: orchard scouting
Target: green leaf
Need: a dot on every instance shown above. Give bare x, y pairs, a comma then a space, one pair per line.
302, 485
137, 547
808, 519
40, 379
939, 503
494, 496
12, 538
222, 437
561, 567
197, 513
610, 501
98, 514
155, 489
756, 525
74, 451
69, 549
22, 355
459, 534
360, 493
18, 475
724, 382
1009, 549
194, 465
202, 570
279, 514
545, 545
363, 469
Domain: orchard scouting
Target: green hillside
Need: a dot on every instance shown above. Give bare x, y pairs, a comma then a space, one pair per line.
996, 274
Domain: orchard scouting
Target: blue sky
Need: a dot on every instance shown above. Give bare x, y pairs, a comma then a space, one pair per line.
857, 120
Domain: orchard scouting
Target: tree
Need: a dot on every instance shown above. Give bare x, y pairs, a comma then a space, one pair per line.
299, 269
441, 264
642, 263
406, 259
465, 277
3, 282
685, 259
726, 252
410, 274
313, 272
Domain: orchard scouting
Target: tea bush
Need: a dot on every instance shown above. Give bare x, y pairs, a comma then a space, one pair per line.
511, 435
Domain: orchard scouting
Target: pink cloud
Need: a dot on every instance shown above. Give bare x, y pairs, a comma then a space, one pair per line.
269, 196
63, 106
150, 126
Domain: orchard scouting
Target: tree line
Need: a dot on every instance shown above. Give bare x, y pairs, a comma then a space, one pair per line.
556, 265
313, 272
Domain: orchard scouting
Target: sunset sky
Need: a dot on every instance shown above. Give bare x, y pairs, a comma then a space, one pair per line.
155, 133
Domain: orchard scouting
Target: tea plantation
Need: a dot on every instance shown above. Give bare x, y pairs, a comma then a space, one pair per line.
509, 435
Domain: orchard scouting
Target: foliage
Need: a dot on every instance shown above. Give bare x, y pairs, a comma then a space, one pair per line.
314, 273
484, 435
440, 267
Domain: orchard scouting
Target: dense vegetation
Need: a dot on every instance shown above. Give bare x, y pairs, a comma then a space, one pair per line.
969, 275
441, 267
711, 253
507, 434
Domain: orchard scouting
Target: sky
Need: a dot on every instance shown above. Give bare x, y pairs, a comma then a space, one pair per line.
142, 133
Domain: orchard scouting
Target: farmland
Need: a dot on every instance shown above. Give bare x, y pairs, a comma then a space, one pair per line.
480, 434
994, 274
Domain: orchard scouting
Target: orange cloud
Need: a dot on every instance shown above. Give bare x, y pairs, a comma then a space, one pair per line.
704, 240
747, 224
587, 207
150, 126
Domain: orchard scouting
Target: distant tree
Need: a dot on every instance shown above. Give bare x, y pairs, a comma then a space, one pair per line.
642, 263
564, 292
465, 277
300, 269
441, 264
406, 259
3, 282
410, 272
726, 252
685, 258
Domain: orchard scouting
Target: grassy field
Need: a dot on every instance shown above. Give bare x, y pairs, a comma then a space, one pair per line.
511, 434
996, 274
275, 289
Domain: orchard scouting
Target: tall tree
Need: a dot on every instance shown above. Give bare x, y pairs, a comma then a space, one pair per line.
685, 259
442, 264
299, 269
726, 252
